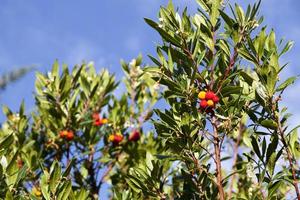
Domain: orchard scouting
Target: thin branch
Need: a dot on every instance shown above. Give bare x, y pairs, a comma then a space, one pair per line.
195, 70
228, 69
290, 157
235, 152
218, 159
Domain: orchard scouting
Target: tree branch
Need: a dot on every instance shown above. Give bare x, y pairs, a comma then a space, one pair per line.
218, 159
235, 153
290, 157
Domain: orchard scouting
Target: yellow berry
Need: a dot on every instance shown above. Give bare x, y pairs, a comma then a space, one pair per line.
104, 121
202, 95
210, 103
36, 192
111, 138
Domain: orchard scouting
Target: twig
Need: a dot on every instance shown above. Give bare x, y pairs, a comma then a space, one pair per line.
290, 157
228, 69
218, 159
235, 152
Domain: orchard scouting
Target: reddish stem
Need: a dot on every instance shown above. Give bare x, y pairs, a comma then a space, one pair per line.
218, 160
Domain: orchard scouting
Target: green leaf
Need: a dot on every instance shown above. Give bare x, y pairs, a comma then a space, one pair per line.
287, 47
65, 191
54, 177
55, 69
229, 90
228, 20
170, 61
286, 83
44, 187
268, 123
273, 188
69, 167
255, 147
272, 147
247, 77
165, 35
204, 5
216, 4
271, 163
7, 141
9, 195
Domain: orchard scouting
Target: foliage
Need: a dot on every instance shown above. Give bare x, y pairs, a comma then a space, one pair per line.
219, 130
13, 76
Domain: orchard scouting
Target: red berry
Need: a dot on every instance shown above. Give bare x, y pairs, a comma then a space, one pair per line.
96, 116
209, 95
203, 104
134, 136
97, 122
215, 99
70, 136
117, 139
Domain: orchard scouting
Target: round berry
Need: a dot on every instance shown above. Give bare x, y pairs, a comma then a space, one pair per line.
134, 136
210, 103
97, 122
118, 139
209, 95
63, 134
70, 136
202, 95
111, 138
203, 104
104, 121
216, 99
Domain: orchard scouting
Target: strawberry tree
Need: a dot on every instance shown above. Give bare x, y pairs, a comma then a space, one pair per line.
79, 135
205, 121
223, 129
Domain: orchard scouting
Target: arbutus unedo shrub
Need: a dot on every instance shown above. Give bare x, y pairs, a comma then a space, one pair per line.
218, 130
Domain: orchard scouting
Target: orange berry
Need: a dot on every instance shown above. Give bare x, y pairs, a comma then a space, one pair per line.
210, 103
202, 95
111, 138
70, 136
104, 121
203, 104
63, 134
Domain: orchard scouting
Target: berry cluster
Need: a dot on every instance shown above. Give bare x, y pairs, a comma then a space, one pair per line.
208, 100
97, 121
66, 134
116, 138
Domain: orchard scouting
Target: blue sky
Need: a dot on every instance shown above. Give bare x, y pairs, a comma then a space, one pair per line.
104, 31
38, 32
